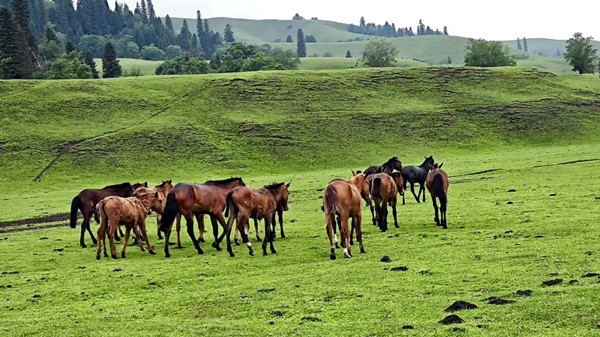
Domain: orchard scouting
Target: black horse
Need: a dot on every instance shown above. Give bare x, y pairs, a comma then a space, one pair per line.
387, 167
416, 174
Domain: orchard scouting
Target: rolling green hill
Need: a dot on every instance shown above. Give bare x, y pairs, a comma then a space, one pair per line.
333, 37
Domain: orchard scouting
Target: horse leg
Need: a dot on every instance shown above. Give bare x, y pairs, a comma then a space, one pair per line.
177, 229
412, 189
352, 233
346, 237
384, 206
145, 234
256, 229
86, 222
443, 205
111, 238
330, 227
158, 217
125, 239
394, 212
167, 232
221, 219
91, 234
356, 221
404, 191
101, 231
435, 208
422, 188
189, 222
268, 236
243, 224
200, 220
280, 215
373, 212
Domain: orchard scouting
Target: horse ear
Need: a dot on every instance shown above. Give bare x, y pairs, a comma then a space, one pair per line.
431, 167
288, 184
156, 194
146, 184
441, 165
353, 173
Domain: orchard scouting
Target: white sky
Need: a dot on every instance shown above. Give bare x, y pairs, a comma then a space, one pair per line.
497, 20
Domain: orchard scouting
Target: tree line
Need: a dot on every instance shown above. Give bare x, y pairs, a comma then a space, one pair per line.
390, 30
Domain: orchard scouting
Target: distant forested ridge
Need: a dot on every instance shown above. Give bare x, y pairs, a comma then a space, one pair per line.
390, 30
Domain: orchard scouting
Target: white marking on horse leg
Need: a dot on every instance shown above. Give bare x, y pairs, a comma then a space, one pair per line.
335, 239
249, 244
346, 252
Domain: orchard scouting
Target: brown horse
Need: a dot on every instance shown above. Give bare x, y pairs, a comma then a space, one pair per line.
343, 198
437, 185
389, 166
397, 176
245, 203
131, 212
223, 186
382, 188
86, 202
281, 199
193, 199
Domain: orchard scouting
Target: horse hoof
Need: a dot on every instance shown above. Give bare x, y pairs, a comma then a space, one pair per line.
167, 255
347, 256
362, 251
337, 245
231, 255
282, 236
265, 253
200, 251
237, 243
152, 252
114, 256
83, 246
202, 240
351, 242
98, 257
332, 256
123, 256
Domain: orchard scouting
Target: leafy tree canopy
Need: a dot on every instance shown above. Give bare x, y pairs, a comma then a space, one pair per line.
482, 53
580, 53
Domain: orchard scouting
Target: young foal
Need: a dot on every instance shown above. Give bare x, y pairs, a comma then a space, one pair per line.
343, 198
131, 212
164, 188
245, 203
383, 192
437, 185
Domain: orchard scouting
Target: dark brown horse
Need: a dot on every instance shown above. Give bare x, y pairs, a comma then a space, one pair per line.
245, 203
437, 185
223, 186
342, 201
389, 166
382, 188
193, 199
164, 188
397, 176
86, 202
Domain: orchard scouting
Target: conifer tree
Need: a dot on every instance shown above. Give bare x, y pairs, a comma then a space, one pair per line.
184, 38
228, 34
519, 47
525, 44
88, 59
110, 65
29, 57
300, 44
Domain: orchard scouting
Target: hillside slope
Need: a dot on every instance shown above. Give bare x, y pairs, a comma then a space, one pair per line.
272, 122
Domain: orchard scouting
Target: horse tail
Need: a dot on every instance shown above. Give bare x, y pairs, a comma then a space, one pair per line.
377, 187
97, 213
228, 201
438, 189
75, 205
169, 213
330, 200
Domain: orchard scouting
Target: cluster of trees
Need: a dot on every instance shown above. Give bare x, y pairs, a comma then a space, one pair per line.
388, 30
237, 57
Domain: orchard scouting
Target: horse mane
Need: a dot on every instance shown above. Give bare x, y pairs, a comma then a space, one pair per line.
121, 185
163, 183
274, 186
223, 181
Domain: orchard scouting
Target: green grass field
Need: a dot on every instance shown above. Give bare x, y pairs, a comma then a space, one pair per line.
520, 146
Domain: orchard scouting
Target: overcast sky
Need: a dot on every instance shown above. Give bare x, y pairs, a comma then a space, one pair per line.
498, 20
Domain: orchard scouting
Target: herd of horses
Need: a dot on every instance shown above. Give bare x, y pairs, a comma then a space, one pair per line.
128, 205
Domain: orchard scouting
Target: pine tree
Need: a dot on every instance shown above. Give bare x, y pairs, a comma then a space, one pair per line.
348, 54
228, 34
169, 23
41, 18
88, 59
525, 44
110, 65
9, 58
300, 44
144, 13
184, 38
519, 47
26, 40
151, 12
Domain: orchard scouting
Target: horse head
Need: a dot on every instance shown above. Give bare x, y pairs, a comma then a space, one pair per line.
360, 181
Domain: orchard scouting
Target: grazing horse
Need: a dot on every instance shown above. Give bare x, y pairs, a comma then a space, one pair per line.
342, 201
437, 184
193, 199
86, 202
417, 174
244, 203
223, 186
132, 212
383, 190
281, 199
389, 166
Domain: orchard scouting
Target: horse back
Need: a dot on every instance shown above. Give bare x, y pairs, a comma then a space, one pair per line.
347, 197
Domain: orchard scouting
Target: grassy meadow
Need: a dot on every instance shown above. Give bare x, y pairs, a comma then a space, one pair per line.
520, 147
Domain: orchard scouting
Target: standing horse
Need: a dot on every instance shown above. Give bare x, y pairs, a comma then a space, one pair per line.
437, 184
164, 188
193, 199
132, 212
223, 186
342, 201
281, 196
417, 174
245, 203
382, 188
397, 176
389, 166
86, 202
